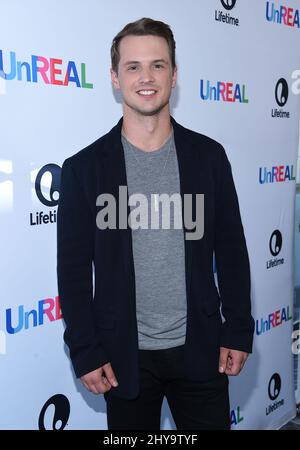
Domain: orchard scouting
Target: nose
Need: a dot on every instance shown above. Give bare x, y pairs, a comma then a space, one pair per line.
146, 75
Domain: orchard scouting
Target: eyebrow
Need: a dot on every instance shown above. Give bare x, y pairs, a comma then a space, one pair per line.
137, 62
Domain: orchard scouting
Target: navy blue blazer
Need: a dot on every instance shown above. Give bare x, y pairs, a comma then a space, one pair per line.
95, 268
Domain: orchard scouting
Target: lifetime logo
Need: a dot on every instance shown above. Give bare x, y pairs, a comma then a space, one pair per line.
282, 15
228, 4
42, 69
59, 407
222, 91
23, 320
227, 18
274, 388
281, 97
275, 246
47, 186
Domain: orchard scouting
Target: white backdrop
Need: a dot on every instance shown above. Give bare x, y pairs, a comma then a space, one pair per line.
42, 123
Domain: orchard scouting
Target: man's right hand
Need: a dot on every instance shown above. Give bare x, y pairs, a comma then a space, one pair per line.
100, 380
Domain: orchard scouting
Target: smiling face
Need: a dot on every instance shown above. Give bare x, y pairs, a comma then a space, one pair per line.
145, 75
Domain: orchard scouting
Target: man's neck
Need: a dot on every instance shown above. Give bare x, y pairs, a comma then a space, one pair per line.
148, 133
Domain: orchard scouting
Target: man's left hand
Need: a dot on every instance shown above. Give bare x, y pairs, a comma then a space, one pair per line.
231, 361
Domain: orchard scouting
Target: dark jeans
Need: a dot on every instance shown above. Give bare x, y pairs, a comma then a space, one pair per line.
194, 405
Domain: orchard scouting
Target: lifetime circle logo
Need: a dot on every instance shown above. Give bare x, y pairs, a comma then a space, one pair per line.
61, 412
228, 4
281, 92
275, 246
274, 389
223, 18
275, 243
51, 173
274, 386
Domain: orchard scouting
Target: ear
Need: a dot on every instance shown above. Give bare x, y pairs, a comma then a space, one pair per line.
174, 77
114, 79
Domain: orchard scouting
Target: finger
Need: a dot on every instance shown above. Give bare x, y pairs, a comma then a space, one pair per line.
234, 368
85, 385
229, 363
97, 383
244, 359
100, 386
102, 383
224, 352
109, 373
243, 363
94, 389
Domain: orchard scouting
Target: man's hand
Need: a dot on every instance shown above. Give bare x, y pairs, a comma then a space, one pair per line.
100, 380
231, 361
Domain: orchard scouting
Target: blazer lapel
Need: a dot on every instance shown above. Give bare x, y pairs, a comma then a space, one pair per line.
115, 176
185, 166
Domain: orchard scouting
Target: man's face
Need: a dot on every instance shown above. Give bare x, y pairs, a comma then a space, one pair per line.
145, 75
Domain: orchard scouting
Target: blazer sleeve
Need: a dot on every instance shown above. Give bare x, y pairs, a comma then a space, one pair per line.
233, 268
75, 247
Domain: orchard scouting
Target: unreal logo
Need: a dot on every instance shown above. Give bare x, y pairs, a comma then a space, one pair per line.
282, 14
281, 97
228, 5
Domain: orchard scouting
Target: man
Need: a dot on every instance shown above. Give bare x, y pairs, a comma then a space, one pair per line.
150, 325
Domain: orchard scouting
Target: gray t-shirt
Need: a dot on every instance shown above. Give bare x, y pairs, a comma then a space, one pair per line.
158, 254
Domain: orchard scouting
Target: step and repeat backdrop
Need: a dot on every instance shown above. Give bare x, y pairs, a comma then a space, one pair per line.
239, 68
